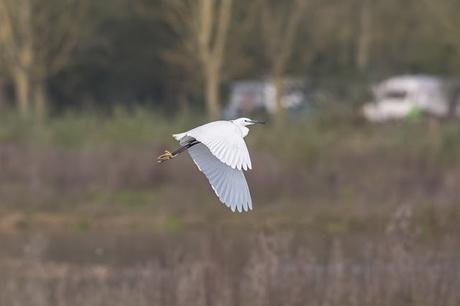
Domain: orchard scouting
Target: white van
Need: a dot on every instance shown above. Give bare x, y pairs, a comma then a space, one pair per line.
398, 97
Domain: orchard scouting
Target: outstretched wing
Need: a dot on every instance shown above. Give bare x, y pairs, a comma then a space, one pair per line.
228, 183
224, 141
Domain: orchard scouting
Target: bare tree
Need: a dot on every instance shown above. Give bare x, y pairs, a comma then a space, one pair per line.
445, 14
37, 38
279, 25
202, 26
352, 21
364, 35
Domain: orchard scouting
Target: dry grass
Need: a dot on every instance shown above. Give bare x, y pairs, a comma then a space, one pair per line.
228, 267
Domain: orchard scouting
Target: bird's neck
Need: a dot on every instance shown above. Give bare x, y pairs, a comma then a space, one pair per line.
244, 130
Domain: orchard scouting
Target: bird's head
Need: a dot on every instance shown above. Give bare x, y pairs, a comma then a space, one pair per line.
246, 121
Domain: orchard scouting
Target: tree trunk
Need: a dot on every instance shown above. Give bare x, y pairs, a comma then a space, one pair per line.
40, 100
212, 82
22, 91
184, 105
3, 96
364, 37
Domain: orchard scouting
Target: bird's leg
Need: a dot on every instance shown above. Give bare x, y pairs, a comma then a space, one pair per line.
168, 155
165, 156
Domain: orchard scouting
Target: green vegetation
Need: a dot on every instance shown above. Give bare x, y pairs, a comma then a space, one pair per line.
98, 163
77, 129
303, 139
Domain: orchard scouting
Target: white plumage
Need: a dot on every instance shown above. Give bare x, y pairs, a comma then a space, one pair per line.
219, 151
225, 141
228, 183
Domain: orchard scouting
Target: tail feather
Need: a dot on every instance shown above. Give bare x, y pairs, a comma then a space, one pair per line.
179, 136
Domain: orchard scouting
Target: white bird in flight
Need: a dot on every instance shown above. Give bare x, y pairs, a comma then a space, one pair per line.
219, 151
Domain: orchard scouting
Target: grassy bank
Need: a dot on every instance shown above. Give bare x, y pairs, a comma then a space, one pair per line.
324, 167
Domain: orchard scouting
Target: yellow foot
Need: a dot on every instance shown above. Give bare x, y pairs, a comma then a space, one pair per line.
165, 156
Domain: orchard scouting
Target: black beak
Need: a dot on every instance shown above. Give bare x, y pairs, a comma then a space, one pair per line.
257, 122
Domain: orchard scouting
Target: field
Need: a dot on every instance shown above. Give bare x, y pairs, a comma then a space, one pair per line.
345, 213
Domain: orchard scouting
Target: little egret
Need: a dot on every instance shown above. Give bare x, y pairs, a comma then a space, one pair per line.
219, 151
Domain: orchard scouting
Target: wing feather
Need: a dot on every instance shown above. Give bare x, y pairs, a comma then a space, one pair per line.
224, 140
229, 184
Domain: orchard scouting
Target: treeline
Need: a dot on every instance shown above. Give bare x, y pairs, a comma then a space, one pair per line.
180, 54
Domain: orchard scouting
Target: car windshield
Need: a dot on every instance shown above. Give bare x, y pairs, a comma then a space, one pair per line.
395, 94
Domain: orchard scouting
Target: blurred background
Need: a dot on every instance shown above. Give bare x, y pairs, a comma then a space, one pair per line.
355, 179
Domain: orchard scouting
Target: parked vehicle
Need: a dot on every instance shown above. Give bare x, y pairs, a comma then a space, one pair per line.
402, 96
250, 96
